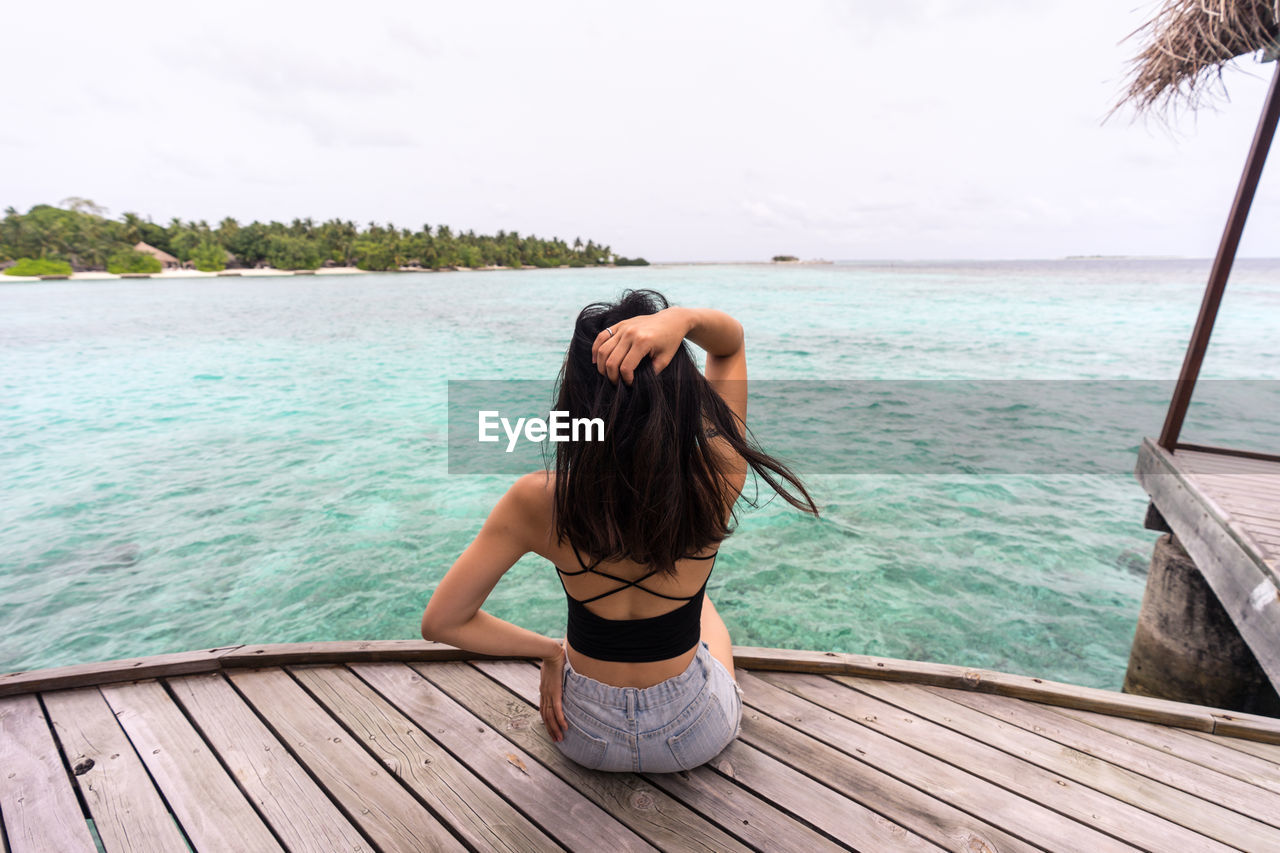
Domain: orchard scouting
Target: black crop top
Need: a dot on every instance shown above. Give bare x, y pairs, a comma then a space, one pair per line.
634, 640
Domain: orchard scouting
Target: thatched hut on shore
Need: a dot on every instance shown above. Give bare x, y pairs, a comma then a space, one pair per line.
167, 260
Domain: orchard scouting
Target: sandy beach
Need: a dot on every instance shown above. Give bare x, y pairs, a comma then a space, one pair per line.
169, 274
244, 273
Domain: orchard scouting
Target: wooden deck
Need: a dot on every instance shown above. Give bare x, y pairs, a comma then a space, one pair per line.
1225, 510
407, 746
1248, 490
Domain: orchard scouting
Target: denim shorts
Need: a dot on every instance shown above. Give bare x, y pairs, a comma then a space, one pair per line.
675, 725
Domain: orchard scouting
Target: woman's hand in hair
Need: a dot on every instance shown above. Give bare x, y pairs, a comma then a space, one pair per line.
551, 690
618, 350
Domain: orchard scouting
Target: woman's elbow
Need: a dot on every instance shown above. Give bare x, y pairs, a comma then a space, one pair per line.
431, 627
435, 628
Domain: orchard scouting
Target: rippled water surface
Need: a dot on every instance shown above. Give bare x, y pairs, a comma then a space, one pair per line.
195, 463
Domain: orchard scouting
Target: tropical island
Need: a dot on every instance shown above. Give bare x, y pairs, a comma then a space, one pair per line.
77, 236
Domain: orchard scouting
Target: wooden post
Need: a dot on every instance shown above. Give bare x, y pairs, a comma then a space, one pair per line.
1222, 266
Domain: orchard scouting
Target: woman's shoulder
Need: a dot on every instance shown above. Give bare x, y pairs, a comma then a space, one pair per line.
534, 492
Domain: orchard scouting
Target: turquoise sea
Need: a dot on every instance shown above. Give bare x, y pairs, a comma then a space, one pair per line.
201, 462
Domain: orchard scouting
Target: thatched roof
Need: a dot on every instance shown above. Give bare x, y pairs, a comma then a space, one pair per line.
1188, 42
162, 257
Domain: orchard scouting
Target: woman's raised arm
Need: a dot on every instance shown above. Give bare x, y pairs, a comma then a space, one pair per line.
618, 350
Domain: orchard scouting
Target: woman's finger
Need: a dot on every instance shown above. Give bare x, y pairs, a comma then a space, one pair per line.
603, 352
627, 367
607, 334
599, 342
614, 361
553, 727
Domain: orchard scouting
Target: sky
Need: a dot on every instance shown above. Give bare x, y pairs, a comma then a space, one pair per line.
691, 131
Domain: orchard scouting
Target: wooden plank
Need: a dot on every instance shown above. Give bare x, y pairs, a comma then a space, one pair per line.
1233, 486
372, 798
212, 811
1251, 726
1163, 711
931, 777
1266, 545
1036, 689
1265, 481
1231, 571
1267, 540
127, 811
1240, 459
751, 817
1231, 489
1013, 773
1175, 805
37, 803
800, 756
1254, 488
763, 823
130, 669
1207, 752
841, 817
561, 811
1259, 535
343, 652
657, 817
1196, 462
480, 818
1267, 751
1251, 513
1203, 782
302, 815
1256, 527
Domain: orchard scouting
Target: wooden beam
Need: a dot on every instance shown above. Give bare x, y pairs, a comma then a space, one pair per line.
341, 652
235, 658
1222, 266
1227, 451
130, 669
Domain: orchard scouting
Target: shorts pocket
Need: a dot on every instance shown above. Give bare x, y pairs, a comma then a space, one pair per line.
582, 747
704, 738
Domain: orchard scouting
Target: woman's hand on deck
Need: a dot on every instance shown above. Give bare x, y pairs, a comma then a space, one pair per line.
618, 350
551, 690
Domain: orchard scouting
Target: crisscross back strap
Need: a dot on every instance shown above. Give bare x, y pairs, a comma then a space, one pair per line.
624, 581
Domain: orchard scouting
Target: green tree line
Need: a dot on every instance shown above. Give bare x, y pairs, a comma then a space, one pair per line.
79, 233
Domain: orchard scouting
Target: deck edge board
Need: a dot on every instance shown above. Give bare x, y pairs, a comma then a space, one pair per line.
230, 658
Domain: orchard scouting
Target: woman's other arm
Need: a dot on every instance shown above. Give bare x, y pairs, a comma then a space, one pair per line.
453, 614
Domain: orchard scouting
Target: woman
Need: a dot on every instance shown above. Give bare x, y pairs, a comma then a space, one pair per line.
632, 524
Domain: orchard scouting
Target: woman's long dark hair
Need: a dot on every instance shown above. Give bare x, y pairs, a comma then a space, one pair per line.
653, 491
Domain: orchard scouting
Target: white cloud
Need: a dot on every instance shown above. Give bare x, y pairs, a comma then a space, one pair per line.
913, 129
